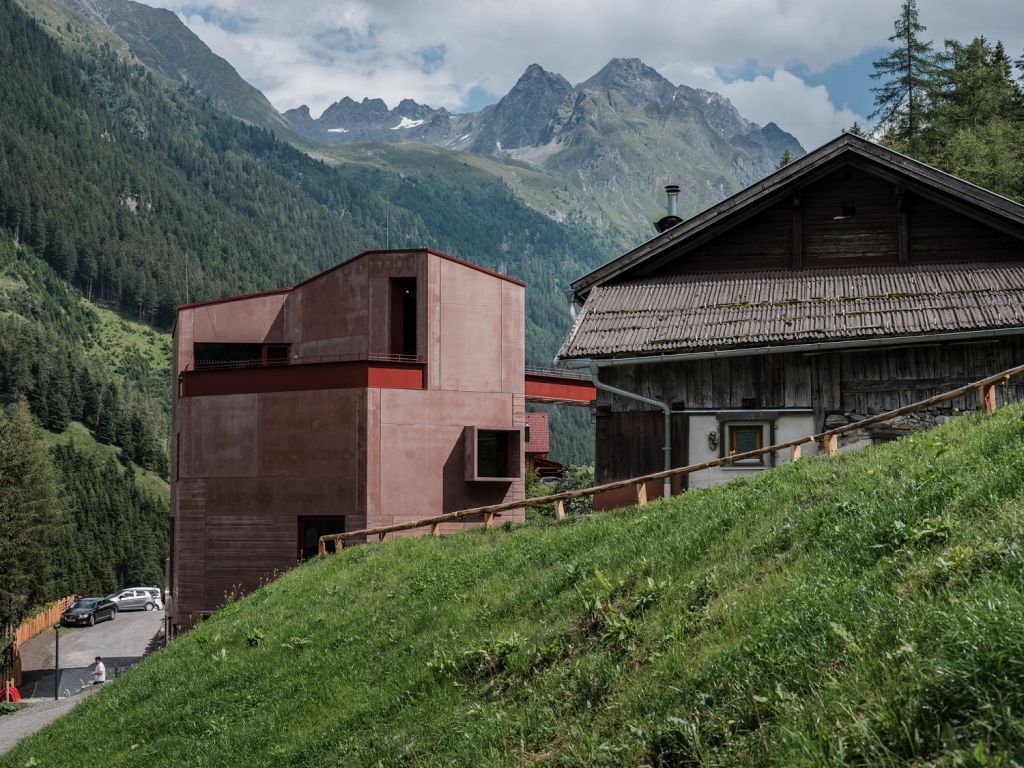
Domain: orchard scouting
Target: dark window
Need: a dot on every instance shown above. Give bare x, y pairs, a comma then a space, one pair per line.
849, 210
749, 402
226, 355
403, 315
492, 454
744, 438
310, 531
526, 433
277, 354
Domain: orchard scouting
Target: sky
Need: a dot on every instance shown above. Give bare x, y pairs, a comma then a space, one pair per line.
803, 64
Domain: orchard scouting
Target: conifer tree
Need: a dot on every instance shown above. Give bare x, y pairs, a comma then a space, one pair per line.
906, 74
31, 508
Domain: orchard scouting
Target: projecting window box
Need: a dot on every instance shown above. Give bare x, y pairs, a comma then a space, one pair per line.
493, 454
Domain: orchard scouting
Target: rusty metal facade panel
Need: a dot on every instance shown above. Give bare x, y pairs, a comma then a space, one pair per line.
372, 441
712, 311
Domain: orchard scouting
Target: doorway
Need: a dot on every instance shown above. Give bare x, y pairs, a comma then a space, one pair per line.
310, 531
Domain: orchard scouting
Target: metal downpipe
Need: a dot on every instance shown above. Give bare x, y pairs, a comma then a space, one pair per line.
666, 409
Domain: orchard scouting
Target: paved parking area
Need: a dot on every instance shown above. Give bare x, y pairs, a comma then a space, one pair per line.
121, 642
127, 636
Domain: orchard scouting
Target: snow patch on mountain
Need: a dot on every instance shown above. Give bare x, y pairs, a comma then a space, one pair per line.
407, 123
337, 130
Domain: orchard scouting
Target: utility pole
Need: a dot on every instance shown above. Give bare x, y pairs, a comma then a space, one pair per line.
56, 661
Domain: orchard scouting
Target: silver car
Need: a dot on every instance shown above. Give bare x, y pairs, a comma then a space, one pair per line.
134, 600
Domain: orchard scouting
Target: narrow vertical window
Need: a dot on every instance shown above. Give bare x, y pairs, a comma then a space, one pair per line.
403, 316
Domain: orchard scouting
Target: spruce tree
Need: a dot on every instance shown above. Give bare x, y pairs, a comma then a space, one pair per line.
906, 74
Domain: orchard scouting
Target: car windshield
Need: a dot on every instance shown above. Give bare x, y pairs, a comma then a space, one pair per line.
82, 604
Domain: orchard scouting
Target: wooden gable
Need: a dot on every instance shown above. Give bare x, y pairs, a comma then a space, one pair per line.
849, 203
849, 215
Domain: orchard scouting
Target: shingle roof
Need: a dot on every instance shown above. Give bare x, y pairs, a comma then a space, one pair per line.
539, 441
726, 310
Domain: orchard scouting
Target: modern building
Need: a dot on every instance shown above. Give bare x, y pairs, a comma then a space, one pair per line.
848, 283
389, 388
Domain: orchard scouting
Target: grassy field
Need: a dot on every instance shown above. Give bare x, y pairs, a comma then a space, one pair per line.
863, 610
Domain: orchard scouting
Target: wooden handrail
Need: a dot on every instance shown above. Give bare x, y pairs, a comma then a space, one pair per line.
985, 388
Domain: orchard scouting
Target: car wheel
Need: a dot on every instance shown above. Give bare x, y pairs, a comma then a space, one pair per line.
113, 613
92, 620
149, 606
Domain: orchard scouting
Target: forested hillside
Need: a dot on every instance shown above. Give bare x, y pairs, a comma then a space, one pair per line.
83, 441
162, 197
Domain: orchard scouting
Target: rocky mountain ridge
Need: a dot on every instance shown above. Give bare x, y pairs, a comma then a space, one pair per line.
599, 134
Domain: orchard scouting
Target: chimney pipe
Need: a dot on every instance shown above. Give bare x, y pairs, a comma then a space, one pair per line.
672, 190
672, 218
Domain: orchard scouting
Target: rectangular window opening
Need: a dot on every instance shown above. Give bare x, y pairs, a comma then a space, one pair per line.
743, 438
493, 454
209, 355
403, 316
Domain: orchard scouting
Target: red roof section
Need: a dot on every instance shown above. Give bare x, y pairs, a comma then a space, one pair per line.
540, 436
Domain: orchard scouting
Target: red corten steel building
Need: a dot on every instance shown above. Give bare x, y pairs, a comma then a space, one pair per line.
388, 388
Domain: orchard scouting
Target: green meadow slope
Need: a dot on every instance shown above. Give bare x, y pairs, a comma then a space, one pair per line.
864, 610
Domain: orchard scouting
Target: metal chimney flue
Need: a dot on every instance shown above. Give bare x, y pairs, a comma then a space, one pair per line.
672, 190
671, 218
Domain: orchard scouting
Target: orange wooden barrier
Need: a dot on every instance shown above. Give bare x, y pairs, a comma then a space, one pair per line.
29, 628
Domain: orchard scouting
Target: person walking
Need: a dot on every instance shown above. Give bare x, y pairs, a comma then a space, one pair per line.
99, 672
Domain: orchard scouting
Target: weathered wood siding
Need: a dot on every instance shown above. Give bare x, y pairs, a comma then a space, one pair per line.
849, 218
867, 236
845, 385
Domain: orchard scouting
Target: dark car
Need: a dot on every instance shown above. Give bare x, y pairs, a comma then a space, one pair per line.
89, 610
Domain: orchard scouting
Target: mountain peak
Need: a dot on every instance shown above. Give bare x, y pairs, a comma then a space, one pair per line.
520, 119
630, 78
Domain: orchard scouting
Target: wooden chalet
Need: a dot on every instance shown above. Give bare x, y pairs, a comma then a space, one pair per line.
848, 283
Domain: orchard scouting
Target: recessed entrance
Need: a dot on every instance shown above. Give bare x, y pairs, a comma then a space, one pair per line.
310, 531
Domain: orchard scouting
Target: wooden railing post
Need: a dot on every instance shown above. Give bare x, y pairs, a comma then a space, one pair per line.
489, 520
987, 395
383, 536
321, 546
831, 445
559, 510
641, 494
435, 529
794, 453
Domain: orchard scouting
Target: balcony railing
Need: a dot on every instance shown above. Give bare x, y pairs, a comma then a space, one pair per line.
219, 365
558, 373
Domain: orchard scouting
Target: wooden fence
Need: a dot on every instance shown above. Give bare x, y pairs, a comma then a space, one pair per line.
29, 628
829, 440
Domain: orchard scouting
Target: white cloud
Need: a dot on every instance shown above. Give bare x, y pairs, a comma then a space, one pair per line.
803, 110
437, 51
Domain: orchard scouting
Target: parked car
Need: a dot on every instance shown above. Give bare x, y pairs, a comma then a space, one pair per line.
89, 610
134, 599
158, 597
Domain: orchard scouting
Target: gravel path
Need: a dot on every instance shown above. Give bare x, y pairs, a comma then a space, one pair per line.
34, 715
